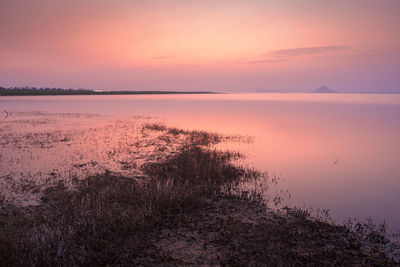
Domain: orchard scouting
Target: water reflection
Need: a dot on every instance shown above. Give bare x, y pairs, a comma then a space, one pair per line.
337, 152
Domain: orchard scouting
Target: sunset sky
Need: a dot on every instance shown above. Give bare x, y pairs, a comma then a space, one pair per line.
217, 45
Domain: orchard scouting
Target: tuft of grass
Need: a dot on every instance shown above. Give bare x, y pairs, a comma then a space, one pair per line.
154, 127
374, 233
298, 213
193, 138
176, 131
197, 172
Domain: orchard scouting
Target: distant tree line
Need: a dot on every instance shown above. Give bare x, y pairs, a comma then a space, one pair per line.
21, 91
27, 90
42, 88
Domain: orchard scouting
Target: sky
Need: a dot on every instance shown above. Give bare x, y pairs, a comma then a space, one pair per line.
206, 45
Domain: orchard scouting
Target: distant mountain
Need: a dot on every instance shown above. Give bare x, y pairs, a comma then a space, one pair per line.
324, 89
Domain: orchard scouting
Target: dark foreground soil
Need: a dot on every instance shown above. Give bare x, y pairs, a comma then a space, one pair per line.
237, 232
221, 231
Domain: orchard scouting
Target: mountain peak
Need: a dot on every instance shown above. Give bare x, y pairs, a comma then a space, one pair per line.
324, 89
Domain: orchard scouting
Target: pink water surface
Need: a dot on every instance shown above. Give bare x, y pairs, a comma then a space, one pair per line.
333, 151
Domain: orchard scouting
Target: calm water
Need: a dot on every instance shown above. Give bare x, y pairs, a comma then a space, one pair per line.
339, 152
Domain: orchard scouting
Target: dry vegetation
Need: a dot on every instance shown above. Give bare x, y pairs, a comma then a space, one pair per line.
187, 212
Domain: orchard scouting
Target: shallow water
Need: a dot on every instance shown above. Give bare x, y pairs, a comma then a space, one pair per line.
334, 151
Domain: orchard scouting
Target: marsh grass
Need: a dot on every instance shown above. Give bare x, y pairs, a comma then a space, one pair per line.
107, 217
112, 220
196, 137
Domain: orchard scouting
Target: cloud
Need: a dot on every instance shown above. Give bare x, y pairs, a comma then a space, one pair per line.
304, 51
263, 61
